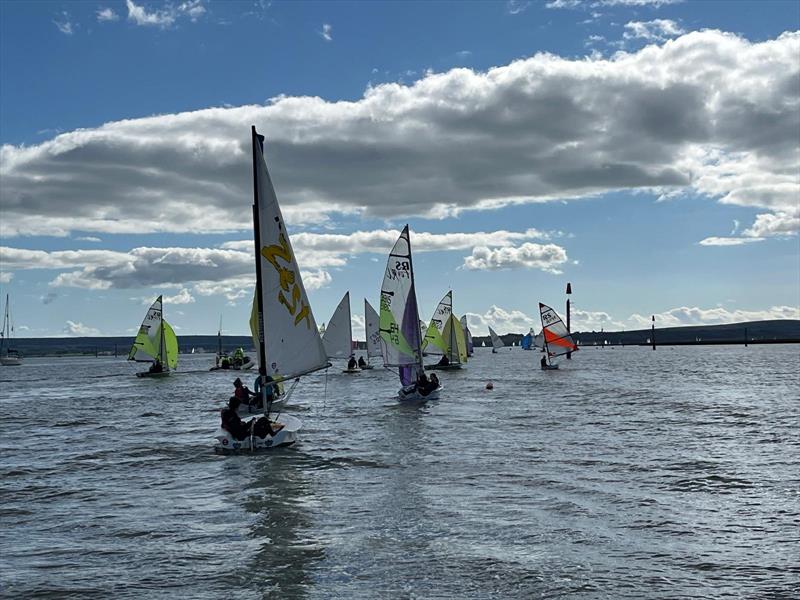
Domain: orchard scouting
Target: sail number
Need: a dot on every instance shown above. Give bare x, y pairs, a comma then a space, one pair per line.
549, 317
288, 280
400, 270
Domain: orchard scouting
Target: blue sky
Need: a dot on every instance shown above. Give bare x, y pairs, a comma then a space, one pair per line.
394, 113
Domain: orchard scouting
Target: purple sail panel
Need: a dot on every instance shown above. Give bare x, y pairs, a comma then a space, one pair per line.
408, 375
410, 326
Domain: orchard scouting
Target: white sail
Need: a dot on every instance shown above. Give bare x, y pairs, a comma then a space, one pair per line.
557, 339
497, 343
468, 335
435, 341
399, 316
149, 343
286, 325
338, 338
372, 324
538, 340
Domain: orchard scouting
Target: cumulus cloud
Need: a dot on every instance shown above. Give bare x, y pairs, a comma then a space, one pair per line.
88, 238
655, 30
166, 17
182, 297
729, 241
106, 14
708, 112
501, 320
546, 257
515, 7
713, 316
78, 329
6, 276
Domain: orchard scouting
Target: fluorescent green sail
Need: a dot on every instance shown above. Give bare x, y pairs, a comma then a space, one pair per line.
143, 347
390, 332
254, 328
434, 336
170, 345
461, 339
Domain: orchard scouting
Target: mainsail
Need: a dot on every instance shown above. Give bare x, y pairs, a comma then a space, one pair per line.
456, 341
338, 338
435, 341
527, 340
148, 345
557, 340
372, 324
399, 316
468, 334
288, 340
497, 343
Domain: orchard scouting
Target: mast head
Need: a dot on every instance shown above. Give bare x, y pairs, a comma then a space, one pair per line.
569, 288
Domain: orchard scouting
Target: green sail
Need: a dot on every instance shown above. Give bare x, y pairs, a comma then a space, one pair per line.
433, 336
170, 345
143, 345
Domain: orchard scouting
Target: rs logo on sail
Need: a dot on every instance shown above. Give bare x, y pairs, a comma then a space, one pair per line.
288, 280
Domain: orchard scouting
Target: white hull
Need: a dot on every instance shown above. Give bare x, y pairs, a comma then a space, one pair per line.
226, 444
10, 361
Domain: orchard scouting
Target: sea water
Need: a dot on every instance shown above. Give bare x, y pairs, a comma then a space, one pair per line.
627, 473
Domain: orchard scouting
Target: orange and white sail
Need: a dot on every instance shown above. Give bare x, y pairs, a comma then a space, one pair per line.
557, 340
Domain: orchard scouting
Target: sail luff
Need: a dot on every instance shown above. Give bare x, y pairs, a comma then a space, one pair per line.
261, 348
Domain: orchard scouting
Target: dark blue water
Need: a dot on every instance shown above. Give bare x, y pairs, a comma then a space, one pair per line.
626, 474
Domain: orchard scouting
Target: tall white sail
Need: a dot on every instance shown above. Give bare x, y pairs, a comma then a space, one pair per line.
497, 343
435, 341
557, 340
399, 316
338, 338
468, 335
372, 324
149, 344
287, 331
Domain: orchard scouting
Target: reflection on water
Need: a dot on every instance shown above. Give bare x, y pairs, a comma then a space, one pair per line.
626, 474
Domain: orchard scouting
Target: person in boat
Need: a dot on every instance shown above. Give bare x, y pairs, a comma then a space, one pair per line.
156, 367
352, 364
543, 362
433, 382
242, 392
361, 362
271, 388
233, 424
444, 361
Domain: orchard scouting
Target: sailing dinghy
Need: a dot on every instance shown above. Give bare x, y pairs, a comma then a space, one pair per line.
9, 357
497, 343
557, 340
155, 343
372, 325
286, 334
445, 337
468, 336
399, 323
338, 336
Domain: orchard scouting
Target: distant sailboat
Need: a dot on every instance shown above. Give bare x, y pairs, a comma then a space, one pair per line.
338, 337
557, 340
445, 336
399, 322
497, 343
9, 357
468, 335
286, 335
155, 343
527, 340
372, 326
238, 361
538, 341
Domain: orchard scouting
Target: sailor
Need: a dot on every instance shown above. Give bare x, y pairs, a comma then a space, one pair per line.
231, 421
241, 392
444, 361
352, 364
361, 362
156, 367
543, 362
434, 382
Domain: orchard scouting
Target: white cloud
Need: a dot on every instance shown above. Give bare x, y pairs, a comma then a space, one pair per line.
314, 280
563, 4
515, 7
591, 320
78, 329
708, 112
572, 4
655, 30
327, 32
713, 316
88, 238
166, 17
546, 257
6, 276
729, 241
64, 23
502, 321
182, 297
106, 15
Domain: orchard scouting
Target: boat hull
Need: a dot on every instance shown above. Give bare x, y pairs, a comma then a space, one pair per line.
451, 367
228, 445
367, 368
411, 394
147, 375
10, 361
351, 371
550, 368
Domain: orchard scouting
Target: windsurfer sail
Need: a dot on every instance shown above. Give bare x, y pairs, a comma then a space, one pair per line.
557, 340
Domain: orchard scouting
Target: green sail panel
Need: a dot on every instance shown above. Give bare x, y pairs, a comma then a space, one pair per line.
170, 345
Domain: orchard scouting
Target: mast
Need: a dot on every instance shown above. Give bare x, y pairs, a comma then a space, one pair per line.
161, 341
262, 347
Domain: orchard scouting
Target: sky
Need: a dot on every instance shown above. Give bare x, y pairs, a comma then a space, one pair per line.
647, 151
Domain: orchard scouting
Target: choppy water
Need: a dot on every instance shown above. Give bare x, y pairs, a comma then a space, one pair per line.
627, 474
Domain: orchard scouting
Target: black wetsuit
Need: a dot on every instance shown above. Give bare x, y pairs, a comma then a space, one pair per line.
233, 424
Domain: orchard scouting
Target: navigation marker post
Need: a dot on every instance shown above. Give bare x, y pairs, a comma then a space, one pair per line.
653, 332
569, 291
